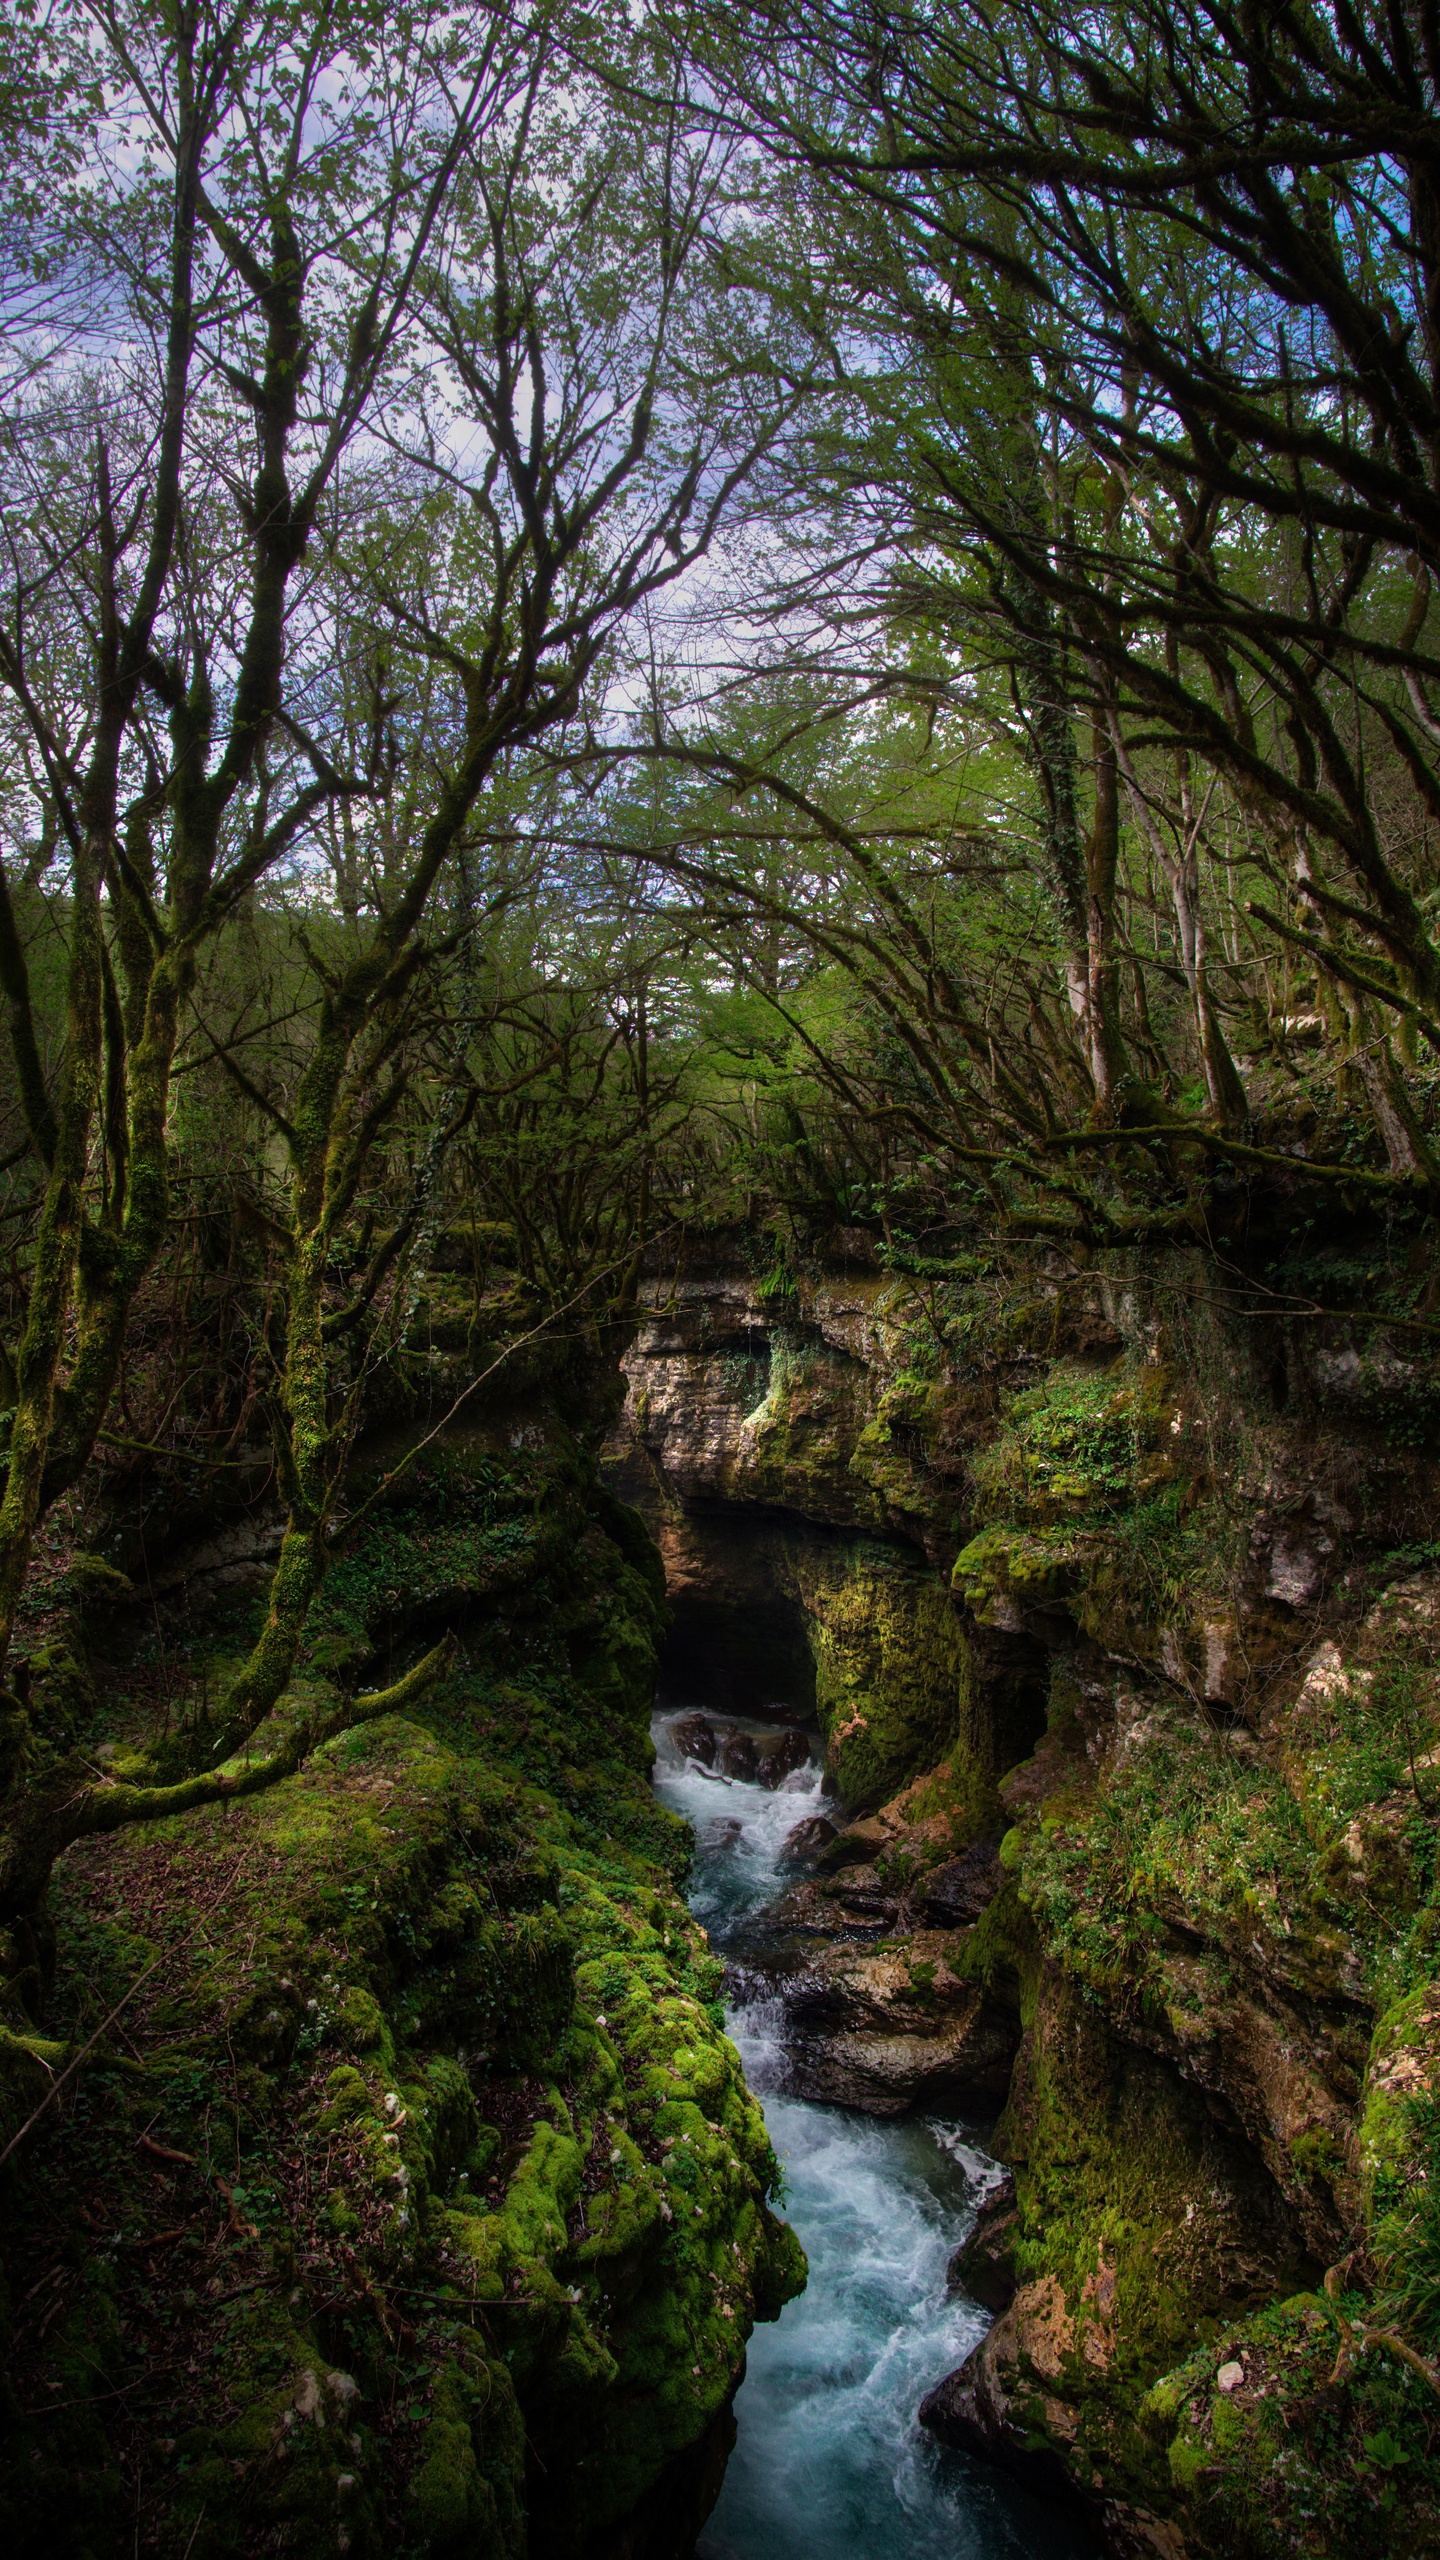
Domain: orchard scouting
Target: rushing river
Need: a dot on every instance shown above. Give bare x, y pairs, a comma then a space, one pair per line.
829, 2460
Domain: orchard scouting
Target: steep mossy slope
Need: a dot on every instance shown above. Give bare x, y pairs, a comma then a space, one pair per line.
1222, 2120
1222, 1908
415, 2201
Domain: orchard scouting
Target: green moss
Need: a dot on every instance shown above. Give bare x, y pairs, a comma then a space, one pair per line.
1082, 1443
450, 2040
1400, 2161
899, 1452
1094, 1498
1288, 2464
359, 2019
464, 1525
892, 1669
1003, 1570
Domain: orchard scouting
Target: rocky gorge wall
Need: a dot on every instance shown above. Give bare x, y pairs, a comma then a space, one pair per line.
413, 2197
805, 1485
1118, 1598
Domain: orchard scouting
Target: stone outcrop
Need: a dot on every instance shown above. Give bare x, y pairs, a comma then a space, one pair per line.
984, 2264
805, 1490
956, 1893
888, 2028
988, 2405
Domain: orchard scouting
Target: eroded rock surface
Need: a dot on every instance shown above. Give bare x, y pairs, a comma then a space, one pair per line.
885, 2029
809, 1838
984, 2264
1120, 1606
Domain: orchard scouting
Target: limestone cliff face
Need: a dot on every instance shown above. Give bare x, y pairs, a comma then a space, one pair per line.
805, 1485
800, 1399
1123, 1573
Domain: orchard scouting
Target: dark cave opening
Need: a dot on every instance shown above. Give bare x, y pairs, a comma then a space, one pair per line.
742, 1656
738, 1638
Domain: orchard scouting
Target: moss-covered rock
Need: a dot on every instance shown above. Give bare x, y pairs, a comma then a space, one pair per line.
892, 1670
1225, 2085
1083, 1443
428, 2133
1282, 2444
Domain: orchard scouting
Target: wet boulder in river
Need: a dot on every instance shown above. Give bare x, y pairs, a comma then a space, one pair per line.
735, 1752
695, 1736
806, 1841
892, 2026
859, 1846
984, 2265
775, 1760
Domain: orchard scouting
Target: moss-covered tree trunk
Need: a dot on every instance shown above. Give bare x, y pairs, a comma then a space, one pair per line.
57, 1248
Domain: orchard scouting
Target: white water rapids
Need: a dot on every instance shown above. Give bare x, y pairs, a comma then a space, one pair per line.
829, 2461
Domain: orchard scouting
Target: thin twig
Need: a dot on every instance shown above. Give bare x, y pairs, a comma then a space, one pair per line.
71, 2067
348, 1526
53, 2092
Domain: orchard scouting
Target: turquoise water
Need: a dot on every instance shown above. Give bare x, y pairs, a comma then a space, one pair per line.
829, 2460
